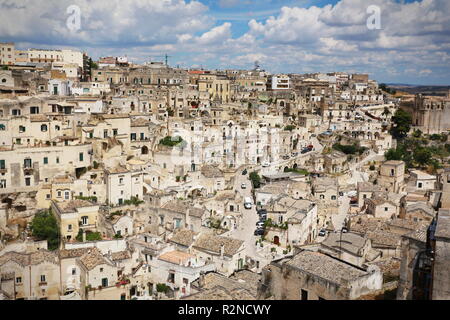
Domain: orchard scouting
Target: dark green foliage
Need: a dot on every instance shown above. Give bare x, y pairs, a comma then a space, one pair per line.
161, 287
401, 124
45, 227
289, 127
134, 200
93, 198
349, 149
256, 179
170, 142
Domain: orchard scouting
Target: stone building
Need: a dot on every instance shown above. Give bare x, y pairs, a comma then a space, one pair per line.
392, 176
315, 276
431, 114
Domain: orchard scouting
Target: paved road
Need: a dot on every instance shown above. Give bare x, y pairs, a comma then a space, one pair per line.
245, 230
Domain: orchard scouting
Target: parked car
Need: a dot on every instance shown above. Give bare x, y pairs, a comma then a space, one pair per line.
244, 172
294, 154
265, 164
310, 147
259, 232
285, 157
322, 233
306, 150
262, 211
243, 186
344, 230
263, 217
260, 225
248, 203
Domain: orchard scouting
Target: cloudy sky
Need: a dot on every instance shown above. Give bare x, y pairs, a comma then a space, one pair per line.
412, 44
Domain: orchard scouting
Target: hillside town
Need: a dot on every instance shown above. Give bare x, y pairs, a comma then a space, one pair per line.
125, 181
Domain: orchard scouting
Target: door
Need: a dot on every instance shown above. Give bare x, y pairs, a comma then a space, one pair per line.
276, 240
104, 282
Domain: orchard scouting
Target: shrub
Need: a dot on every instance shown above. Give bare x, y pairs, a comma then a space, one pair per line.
45, 227
170, 141
161, 287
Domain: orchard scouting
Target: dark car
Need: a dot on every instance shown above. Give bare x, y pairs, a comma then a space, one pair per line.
306, 150
259, 232
244, 172
263, 217
262, 211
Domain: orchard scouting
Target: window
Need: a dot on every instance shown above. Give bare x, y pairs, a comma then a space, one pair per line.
386, 209
67, 195
34, 110
19, 280
2, 184
81, 156
419, 185
44, 128
22, 129
45, 160
101, 269
2, 127
84, 220
57, 159
69, 227
115, 132
28, 181
2, 164
104, 282
27, 163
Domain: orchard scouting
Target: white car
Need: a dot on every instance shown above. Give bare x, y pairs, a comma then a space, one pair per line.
265, 165
248, 203
243, 186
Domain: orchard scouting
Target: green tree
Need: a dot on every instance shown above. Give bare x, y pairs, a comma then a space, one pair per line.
45, 227
256, 179
422, 156
401, 121
393, 154
417, 133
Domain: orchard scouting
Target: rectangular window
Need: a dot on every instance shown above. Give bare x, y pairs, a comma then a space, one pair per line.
27, 163
84, 220
104, 282
2, 164
45, 160
43, 278
19, 280
28, 181
81, 156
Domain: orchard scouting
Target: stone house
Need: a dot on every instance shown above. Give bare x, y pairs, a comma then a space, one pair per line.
226, 253
315, 276
30, 276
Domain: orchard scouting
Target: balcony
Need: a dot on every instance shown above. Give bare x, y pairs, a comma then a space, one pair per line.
3, 170
28, 171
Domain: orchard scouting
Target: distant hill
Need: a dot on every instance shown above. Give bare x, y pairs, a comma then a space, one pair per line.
424, 89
